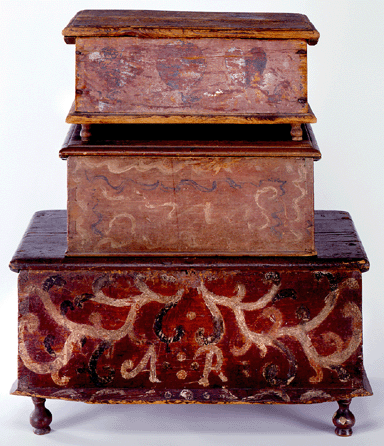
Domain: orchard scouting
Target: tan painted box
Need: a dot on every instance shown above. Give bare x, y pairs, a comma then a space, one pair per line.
234, 191
190, 67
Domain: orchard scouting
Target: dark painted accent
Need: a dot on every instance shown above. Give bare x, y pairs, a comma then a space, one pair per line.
186, 182
273, 277
92, 365
218, 331
255, 62
303, 314
178, 59
285, 294
331, 279
52, 281
99, 220
158, 327
271, 371
79, 300
65, 306
48, 344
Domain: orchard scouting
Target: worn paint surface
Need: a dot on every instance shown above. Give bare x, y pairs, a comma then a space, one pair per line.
131, 75
255, 205
197, 330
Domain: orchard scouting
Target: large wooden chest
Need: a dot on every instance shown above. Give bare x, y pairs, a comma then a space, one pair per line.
222, 190
189, 67
208, 330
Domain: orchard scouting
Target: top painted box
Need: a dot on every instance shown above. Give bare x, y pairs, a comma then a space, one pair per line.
190, 67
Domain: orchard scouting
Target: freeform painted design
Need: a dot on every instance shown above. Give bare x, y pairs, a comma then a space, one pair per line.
133, 75
221, 204
149, 337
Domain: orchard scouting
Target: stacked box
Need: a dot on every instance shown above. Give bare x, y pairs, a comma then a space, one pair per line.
234, 191
174, 67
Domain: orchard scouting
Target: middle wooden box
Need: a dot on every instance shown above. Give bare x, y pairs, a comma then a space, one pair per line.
190, 190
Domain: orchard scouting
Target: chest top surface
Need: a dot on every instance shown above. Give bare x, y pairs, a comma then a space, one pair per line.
45, 242
160, 24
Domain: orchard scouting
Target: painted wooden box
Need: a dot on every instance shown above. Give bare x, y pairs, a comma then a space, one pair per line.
183, 190
208, 330
190, 67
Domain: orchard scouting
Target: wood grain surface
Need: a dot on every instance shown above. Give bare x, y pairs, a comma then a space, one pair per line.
188, 24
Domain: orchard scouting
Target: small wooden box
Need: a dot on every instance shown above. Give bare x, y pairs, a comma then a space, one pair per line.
191, 330
233, 191
190, 67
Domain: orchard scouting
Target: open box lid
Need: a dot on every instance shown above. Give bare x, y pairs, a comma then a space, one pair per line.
197, 140
170, 24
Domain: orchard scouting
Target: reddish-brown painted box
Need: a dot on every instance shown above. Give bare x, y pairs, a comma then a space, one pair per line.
161, 66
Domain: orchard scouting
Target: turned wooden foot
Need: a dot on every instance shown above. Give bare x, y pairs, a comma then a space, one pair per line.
85, 132
343, 419
41, 417
296, 132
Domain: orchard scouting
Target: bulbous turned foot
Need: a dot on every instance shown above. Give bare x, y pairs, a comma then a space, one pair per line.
41, 417
296, 132
85, 132
343, 419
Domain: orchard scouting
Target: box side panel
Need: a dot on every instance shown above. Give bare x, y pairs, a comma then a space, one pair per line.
176, 205
190, 76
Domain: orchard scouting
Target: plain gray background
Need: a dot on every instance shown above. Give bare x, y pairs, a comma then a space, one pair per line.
345, 79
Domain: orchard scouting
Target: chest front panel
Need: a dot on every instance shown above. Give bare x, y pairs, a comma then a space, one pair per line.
137, 76
193, 329
133, 204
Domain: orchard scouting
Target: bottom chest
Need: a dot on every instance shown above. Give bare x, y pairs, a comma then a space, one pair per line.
192, 329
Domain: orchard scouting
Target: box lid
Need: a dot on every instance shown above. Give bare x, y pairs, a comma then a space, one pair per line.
161, 24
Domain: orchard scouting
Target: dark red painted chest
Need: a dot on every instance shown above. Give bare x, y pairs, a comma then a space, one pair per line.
228, 330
